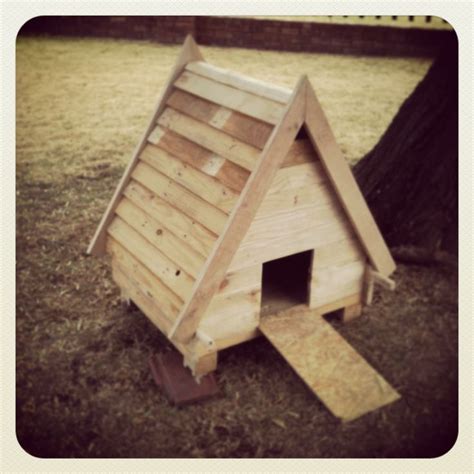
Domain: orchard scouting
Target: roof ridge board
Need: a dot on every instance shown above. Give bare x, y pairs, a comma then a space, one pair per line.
241, 217
240, 81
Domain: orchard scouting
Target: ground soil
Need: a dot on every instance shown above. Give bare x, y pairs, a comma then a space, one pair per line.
83, 385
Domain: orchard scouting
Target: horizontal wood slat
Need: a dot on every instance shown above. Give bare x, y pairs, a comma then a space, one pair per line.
179, 197
171, 275
337, 253
247, 129
244, 280
231, 314
244, 102
194, 234
160, 237
239, 81
268, 245
214, 140
141, 298
333, 283
228, 173
169, 303
206, 187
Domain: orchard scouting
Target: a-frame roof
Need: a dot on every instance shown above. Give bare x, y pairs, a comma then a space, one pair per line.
204, 165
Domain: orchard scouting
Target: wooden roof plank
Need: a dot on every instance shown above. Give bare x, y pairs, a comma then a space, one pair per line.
201, 184
160, 265
186, 201
189, 52
241, 217
343, 181
208, 137
160, 237
247, 129
239, 81
200, 239
228, 173
169, 303
248, 104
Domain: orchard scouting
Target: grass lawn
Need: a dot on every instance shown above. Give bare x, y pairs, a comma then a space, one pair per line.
83, 385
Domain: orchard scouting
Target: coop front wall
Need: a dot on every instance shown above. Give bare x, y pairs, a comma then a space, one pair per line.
301, 212
233, 315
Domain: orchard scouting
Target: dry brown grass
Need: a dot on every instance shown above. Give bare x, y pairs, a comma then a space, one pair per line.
83, 386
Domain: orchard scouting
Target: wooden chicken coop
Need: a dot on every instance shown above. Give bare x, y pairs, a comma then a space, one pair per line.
237, 216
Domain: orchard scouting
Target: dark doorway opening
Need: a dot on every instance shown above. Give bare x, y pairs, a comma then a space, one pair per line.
285, 282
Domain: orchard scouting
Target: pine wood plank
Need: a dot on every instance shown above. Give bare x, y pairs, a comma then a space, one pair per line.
228, 173
179, 197
338, 304
161, 238
168, 302
247, 129
336, 282
171, 275
189, 52
194, 234
239, 81
241, 217
207, 188
246, 103
338, 375
344, 183
267, 246
144, 301
337, 253
244, 280
214, 140
231, 314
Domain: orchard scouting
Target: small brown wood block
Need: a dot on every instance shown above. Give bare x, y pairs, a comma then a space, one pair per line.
351, 312
178, 382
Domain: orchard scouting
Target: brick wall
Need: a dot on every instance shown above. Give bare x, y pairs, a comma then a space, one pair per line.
249, 33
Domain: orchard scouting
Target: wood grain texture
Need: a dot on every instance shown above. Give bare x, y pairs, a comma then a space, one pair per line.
339, 304
179, 197
168, 302
337, 253
336, 282
161, 238
232, 314
338, 375
160, 265
144, 301
208, 137
244, 280
191, 232
345, 185
228, 173
241, 101
241, 217
206, 187
239, 81
247, 129
189, 52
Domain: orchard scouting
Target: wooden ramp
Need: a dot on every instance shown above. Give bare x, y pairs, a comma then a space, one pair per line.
339, 376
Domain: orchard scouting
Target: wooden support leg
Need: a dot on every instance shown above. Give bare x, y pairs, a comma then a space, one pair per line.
125, 299
205, 365
200, 359
351, 312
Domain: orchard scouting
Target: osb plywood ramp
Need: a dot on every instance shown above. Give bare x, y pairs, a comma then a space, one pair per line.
339, 376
